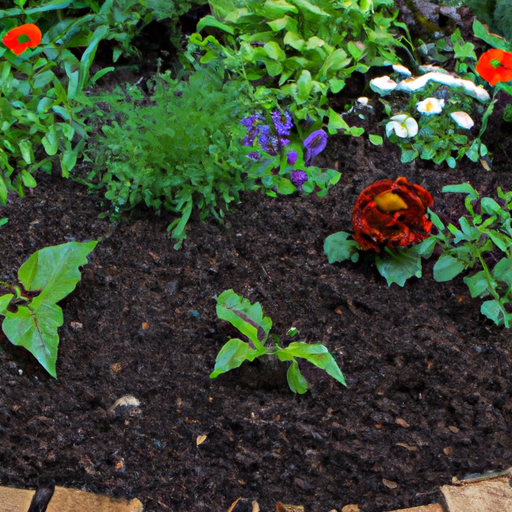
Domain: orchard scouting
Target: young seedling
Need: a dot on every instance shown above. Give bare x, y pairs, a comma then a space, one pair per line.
31, 313
249, 320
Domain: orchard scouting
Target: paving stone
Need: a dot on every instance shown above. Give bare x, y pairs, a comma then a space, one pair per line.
66, 500
491, 495
425, 508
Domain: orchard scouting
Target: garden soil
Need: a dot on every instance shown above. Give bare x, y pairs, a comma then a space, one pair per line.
429, 379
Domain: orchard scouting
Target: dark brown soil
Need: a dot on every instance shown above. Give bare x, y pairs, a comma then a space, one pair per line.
429, 378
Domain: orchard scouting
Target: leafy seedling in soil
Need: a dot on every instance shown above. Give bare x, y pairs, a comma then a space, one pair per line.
250, 321
31, 313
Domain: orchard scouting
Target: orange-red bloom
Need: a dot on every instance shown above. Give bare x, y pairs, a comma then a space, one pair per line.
495, 66
20, 38
392, 214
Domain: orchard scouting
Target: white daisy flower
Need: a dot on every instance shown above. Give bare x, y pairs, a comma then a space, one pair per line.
401, 70
403, 126
383, 85
430, 106
463, 120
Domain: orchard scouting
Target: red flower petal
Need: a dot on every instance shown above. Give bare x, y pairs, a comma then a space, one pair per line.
11, 39
388, 223
491, 72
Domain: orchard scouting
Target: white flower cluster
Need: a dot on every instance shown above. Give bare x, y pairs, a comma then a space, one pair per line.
405, 126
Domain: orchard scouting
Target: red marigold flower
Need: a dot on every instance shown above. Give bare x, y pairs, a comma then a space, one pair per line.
20, 38
392, 214
495, 66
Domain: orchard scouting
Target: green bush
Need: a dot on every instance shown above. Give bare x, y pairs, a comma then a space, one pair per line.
305, 50
180, 150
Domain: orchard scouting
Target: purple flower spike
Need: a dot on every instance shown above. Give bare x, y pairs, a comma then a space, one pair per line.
291, 157
298, 178
283, 126
315, 143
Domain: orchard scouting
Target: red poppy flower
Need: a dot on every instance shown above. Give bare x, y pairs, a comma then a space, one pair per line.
392, 214
20, 38
495, 66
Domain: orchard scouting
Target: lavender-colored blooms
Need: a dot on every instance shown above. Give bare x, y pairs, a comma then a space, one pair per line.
298, 178
254, 155
291, 157
282, 127
270, 138
315, 143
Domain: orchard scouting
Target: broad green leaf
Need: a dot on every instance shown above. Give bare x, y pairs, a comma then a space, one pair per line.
308, 7
337, 248
50, 141
210, 21
232, 355
318, 355
426, 248
304, 85
54, 270
28, 179
68, 161
492, 309
35, 328
42, 79
495, 41
502, 271
399, 264
294, 40
477, 284
274, 51
246, 317
447, 267
4, 302
26, 150
376, 140
296, 381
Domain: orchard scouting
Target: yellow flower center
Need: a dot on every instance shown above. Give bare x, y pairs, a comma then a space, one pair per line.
389, 202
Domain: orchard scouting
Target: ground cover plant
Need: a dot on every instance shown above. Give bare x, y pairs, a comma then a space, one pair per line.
249, 320
31, 313
302, 50
428, 375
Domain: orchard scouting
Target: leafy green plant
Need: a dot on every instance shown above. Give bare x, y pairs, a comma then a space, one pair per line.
496, 14
282, 164
440, 135
180, 150
303, 50
482, 241
41, 97
249, 319
31, 313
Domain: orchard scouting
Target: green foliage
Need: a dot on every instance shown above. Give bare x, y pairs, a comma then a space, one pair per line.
496, 14
32, 315
249, 319
395, 265
125, 19
303, 50
179, 150
41, 97
483, 240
